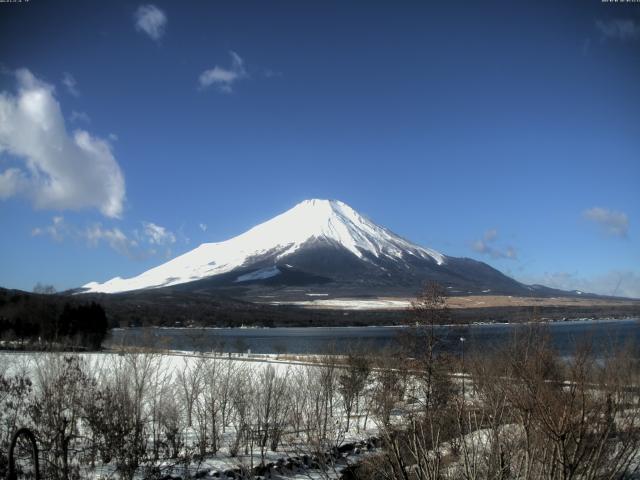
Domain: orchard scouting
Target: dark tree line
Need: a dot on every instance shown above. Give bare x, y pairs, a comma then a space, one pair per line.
50, 321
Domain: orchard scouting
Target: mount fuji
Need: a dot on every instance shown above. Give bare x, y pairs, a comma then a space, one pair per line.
322, 244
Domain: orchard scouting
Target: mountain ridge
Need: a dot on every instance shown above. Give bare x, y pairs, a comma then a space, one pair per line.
324, 243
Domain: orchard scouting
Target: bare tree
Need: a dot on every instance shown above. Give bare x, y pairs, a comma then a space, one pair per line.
212, 402
352, 381
242, 399
119, 415
299, 399
170, 426
189, 378
271, 408
427, 313
228, 373
56, 411
44, 289
420, 371
15, 391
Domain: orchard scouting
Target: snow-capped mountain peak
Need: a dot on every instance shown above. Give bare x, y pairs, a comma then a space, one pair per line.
310, 221
337, 221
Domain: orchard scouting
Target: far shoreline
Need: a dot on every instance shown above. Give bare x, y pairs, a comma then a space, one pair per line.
398, 326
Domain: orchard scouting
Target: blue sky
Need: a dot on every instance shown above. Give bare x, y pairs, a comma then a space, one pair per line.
503, 131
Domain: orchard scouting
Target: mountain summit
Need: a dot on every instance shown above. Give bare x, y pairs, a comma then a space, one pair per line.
318, 242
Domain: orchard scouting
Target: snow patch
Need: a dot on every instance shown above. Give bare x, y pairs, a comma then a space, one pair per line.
259, 274
350, 304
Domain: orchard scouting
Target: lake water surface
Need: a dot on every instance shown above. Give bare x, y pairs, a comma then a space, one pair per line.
603, 334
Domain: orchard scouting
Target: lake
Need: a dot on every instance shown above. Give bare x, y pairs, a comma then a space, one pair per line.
604, 334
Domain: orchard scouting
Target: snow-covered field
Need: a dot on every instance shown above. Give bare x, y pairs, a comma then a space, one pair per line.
208, 413
149, 415
350, 304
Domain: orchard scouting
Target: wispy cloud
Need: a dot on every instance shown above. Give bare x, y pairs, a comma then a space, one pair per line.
70, 82
158, 235
203, 227
182, 236
114, 237
485, 246
138, 244
60, 230
624, 29
272, 73
57, 231
60, 171
610, 222
79, 117
150, 20
621, 283
95, 234
224, 78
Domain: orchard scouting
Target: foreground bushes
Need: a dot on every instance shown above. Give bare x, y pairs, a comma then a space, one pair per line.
521, 412
517, 413
147, 414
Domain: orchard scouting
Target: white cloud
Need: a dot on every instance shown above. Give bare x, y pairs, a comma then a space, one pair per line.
182, 236
157, 235
203, 227
79, 117
621, 283
490, 235
71, 84
224, 78
611, 222
511, 252
624, 29
137, 246
12, 181
114, 237
58, 229
485, 246
272, 73
61, 170
151, 20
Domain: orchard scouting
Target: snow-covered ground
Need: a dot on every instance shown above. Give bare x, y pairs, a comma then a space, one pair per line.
172, 368
298, 385
350, 304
